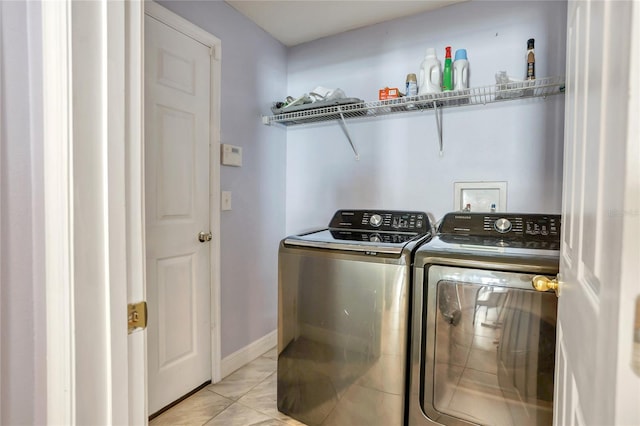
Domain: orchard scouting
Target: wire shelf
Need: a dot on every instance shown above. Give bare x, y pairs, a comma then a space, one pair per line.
541, 87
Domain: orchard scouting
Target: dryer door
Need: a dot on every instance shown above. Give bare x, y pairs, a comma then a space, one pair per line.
489, 350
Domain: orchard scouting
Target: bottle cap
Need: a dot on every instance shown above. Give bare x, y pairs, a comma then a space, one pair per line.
530, 43
431, 52
411, 77
447, 52
461, 54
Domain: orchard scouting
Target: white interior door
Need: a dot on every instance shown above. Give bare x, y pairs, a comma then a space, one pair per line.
599, 267
177, 135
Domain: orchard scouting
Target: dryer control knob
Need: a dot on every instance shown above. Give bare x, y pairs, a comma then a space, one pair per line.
502, 225
376, 220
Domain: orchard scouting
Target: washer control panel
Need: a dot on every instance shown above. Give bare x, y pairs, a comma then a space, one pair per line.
528, 226
381, 221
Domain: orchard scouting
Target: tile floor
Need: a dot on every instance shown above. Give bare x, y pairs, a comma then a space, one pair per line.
245, 397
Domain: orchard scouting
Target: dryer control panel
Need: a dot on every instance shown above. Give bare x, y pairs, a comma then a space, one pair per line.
381, 221
526, 226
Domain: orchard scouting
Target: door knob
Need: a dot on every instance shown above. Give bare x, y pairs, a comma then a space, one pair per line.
542, 283
203, 237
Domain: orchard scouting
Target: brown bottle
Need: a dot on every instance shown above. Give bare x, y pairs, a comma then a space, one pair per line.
531, 61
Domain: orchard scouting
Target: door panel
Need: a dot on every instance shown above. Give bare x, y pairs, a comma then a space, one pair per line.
175, 171
176, 297
176, 71
177, 104
592, 295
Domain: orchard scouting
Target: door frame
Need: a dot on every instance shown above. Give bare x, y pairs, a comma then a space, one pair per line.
89, 120
93, 129
189, 29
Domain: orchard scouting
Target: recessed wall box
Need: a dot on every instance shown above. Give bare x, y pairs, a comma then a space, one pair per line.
231, 155
480, 196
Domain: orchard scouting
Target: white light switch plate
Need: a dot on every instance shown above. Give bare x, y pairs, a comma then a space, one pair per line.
225, 202
480, 195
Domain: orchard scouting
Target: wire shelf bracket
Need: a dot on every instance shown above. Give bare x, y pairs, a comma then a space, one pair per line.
345, 128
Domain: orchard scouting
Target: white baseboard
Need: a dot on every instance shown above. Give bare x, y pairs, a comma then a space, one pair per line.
243, 356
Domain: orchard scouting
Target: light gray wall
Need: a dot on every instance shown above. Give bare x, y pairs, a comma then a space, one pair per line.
519, 142
399, 168
22, 296
254, 74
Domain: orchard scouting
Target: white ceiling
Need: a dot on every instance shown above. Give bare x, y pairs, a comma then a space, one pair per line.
294, 22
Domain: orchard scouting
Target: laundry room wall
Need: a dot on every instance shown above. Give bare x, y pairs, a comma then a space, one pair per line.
253, 75
400, 167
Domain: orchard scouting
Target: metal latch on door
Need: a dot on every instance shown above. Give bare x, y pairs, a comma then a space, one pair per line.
137, 316
203, 237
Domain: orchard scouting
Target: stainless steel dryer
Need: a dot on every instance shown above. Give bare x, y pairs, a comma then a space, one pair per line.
343, 315
483, 339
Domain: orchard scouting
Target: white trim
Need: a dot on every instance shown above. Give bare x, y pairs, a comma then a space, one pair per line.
180, 24
214, 188
247, 354
58, 190
189, 29
114, 198
134, 159
85, 204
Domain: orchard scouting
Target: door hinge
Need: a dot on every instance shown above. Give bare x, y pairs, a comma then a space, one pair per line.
137, 316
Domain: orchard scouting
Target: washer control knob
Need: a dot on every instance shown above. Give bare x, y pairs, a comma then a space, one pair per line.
375, 238
376, 220
502, 225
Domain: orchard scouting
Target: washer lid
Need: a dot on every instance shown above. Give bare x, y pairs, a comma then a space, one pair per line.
354, 240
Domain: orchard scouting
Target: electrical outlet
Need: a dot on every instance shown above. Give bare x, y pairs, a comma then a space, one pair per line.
226, 200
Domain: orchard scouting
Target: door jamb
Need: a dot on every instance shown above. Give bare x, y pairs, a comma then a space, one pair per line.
215, 45
85, 111
58, 190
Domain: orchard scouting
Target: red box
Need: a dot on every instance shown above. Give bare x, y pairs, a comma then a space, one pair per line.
388, 93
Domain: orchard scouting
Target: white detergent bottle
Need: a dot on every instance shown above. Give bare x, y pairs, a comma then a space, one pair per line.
461, 70
430, 78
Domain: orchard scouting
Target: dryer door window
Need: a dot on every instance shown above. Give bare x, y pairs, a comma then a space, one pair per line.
492, 351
